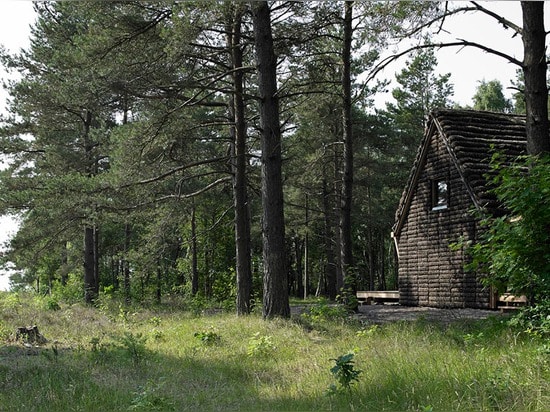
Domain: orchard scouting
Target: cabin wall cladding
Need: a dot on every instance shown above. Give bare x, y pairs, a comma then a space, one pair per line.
430, 272
447, 183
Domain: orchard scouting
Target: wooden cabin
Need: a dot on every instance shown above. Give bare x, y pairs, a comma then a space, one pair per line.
446, 185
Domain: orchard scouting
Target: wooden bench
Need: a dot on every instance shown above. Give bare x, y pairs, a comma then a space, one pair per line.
508, 302
367, 297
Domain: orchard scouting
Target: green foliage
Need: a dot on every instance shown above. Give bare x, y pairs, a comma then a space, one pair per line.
324, 312
149, 398
513, 249
348, 298
72, 291
208, 337
534, 320
371, 331
489, 96
134, 345
10, 301
407, 366
260, 346
344, 372
51, 303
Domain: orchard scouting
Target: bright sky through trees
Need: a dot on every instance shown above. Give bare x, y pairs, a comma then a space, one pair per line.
468, 66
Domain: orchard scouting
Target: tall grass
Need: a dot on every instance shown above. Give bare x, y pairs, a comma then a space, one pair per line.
113, 359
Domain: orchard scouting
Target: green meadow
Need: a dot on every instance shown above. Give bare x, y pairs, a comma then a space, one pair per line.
172, 358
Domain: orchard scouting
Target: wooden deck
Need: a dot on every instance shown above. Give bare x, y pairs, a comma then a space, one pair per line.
367, 297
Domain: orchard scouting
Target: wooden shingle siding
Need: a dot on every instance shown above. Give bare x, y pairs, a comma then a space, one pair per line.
457, 148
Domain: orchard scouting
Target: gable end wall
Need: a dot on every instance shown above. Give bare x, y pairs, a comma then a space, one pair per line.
430, 273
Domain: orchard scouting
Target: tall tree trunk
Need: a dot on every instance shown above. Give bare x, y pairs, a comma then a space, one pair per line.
91, 284
158, 294
303, 278
194, 258
347, 178
335, 218
330, 270
126, 265
240, 193
275, 301
534, 70
65, 264
89, 265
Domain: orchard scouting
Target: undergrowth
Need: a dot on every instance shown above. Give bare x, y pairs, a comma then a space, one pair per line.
116, 359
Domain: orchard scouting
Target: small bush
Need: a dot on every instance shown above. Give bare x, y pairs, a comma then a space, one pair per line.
344, 372
513, 249
134, 345
260, 345
208, 337
325, 312
148, 398
534, 320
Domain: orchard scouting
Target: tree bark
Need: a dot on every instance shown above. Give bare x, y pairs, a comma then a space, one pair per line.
275, 301
347, 178
239, 166
89, 265
91, 280
194, 258
126, 264
330, 270
534, 70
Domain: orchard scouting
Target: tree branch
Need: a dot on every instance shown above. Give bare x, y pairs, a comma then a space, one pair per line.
460, 43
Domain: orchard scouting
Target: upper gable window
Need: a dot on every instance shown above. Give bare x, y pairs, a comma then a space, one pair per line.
440, 194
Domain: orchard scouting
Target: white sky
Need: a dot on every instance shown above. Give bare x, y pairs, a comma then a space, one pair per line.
467, 66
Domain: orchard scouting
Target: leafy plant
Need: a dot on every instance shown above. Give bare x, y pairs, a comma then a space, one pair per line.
344, 372
260, 345
513, 249
534, 320
325, 312
147, 398
208, 337
51, 303
368, 332
134, 344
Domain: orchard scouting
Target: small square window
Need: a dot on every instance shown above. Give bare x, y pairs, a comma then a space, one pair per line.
440, 194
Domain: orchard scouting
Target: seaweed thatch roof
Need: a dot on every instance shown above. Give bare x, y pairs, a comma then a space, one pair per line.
471, 138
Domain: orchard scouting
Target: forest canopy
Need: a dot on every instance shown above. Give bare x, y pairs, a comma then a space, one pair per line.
224, 150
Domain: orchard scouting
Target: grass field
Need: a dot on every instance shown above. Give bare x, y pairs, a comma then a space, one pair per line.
168, 359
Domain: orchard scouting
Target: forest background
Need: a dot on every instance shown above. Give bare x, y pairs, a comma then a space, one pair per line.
154, 199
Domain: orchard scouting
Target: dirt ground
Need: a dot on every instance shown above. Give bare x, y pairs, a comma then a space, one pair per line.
392, 313
379, 314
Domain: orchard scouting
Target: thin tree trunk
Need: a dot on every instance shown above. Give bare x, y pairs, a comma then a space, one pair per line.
65, 264
347, 178
304, 279
91, 284
126, 265
158, 294
330, 270
89, 265
240, 193
534, 70
194, 259
275, 301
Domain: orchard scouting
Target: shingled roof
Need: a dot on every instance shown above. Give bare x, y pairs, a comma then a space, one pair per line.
471, 138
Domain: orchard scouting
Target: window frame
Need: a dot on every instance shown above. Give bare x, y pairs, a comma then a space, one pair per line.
439, 196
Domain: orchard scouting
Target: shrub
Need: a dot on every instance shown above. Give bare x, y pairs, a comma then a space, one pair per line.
134, 345
208, 337
344, 372
534, 320
514, 249
260, 345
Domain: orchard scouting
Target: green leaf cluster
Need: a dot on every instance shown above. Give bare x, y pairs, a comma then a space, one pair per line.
514, 250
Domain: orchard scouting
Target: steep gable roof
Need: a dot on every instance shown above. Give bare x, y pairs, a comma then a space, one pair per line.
471, 138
